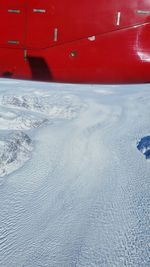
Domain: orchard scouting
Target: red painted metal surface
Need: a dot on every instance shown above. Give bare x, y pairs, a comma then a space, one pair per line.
85, 41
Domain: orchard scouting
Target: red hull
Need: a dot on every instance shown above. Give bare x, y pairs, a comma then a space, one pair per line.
99, 43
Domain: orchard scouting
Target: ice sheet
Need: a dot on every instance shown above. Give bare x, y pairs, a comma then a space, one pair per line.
78, 194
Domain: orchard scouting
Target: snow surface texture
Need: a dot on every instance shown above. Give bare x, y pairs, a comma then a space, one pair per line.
81, 196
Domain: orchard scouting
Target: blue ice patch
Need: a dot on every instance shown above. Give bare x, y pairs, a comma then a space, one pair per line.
144, 146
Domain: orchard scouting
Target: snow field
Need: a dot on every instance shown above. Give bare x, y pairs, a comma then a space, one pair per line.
82, 196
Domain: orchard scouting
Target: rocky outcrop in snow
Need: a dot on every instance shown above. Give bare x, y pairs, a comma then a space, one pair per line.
65, 107
16, 121
15, 150
23, 112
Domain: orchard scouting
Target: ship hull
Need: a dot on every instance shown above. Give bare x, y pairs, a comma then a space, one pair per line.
118, 56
